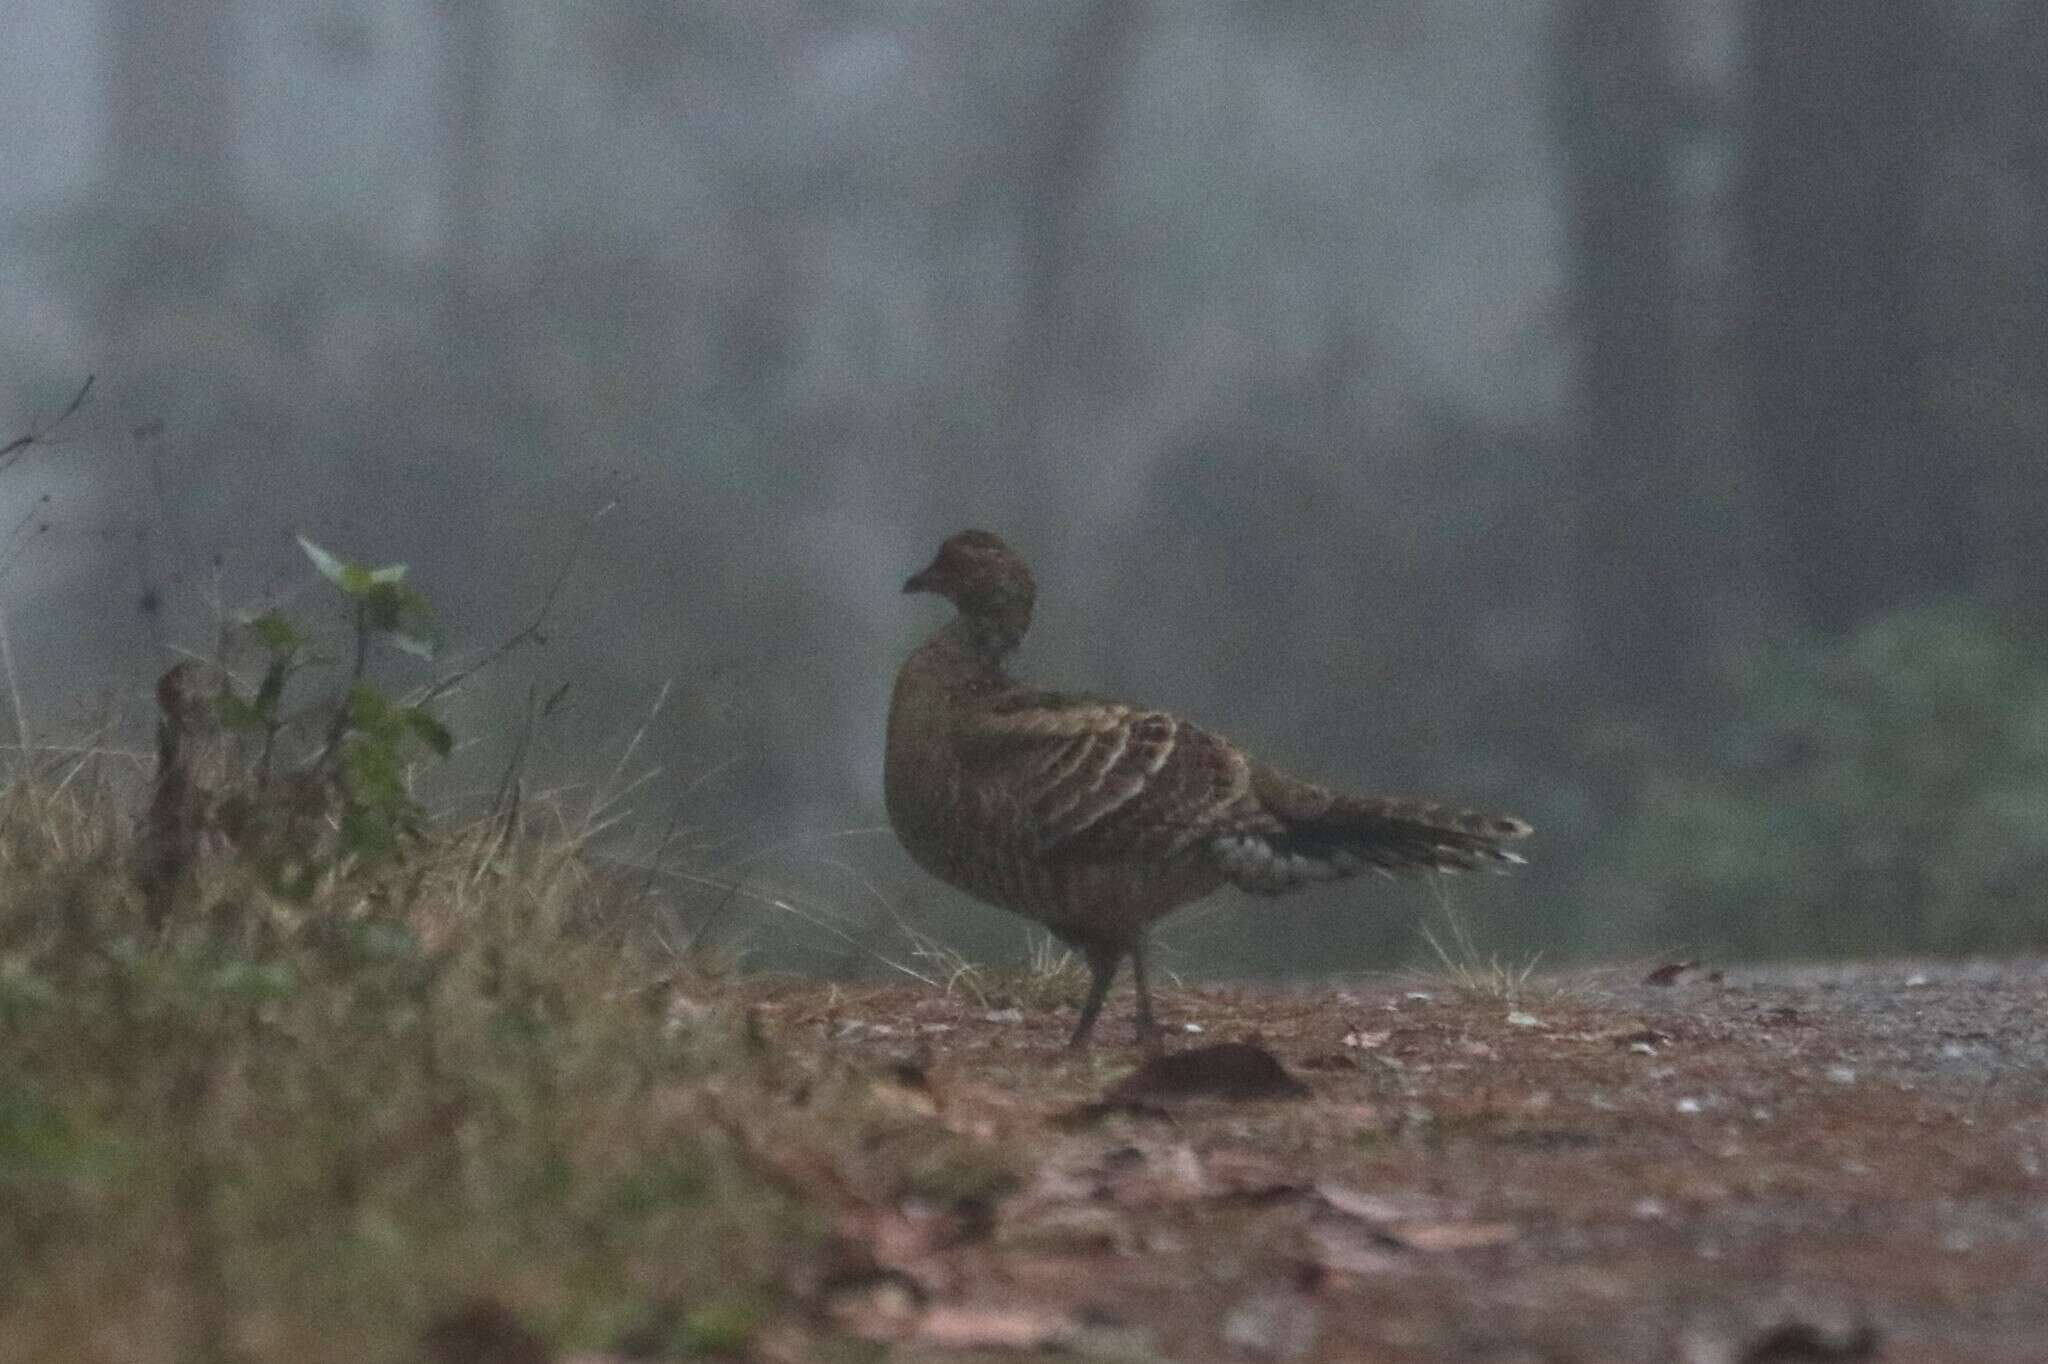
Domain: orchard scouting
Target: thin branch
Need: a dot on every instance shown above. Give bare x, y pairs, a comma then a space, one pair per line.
14, 449
344, 712
13, 686
533, 631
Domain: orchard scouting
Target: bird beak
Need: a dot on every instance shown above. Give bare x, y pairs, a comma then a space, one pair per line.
921, 581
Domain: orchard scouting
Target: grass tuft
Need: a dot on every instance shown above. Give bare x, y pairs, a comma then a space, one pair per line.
1460, 962
1050, 975
326, 1125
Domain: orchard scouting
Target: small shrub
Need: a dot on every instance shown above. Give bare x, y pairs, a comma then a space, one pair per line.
301, 1074
1885, 793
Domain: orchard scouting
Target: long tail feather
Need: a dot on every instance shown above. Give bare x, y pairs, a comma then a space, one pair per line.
1335, 837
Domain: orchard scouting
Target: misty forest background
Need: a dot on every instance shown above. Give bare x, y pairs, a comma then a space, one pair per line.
1627, 415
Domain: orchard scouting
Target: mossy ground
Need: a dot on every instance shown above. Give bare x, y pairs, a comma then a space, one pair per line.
466, 1106
324, 1129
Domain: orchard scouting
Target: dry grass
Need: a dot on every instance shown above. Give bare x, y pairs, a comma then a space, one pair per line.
316, 1129
1461, 964
1049, 976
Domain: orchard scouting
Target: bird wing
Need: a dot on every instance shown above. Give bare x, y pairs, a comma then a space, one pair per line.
1100, 780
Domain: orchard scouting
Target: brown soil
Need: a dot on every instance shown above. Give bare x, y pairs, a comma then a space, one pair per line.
1782, 1165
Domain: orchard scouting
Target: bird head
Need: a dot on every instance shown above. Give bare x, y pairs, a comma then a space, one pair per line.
983, 577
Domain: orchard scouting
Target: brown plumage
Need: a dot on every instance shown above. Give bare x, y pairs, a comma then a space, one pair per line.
1096, 818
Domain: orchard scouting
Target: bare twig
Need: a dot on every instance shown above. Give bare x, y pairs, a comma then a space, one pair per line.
337, 729
20, 445
13, 686
534, 631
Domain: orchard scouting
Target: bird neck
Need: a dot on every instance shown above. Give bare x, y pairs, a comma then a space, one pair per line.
990, 635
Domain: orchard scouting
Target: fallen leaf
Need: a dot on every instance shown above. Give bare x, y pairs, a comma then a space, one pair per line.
1350, 1248
1381, 1208
1273, 1326
1251, 1175
995, 1328
1434, 1236
881, 1306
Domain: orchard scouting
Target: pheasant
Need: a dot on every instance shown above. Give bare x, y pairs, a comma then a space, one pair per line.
1097, 818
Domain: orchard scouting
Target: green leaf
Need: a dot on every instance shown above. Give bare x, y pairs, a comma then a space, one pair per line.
272, 690
404, 615
369, 711
368, 834
355, 579
293, 880
333, 569
376, 777
719, 1328
256, 981
418, 645
275, 632
431, 732
235, 713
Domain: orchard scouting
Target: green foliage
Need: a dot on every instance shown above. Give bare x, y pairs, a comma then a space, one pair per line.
385, 605
315, 1142
348, 757
1881, 794
342, 1132
300, 1074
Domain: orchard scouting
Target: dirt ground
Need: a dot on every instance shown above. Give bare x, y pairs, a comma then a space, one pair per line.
1771, 1165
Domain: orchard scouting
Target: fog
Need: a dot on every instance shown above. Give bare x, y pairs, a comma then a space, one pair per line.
1623, 415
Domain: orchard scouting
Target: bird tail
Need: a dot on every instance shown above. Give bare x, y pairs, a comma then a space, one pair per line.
1314, 835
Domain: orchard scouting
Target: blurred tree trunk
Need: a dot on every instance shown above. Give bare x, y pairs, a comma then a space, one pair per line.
169, 73
472, 115
1636, 576
1868, 510
1057, 360
2025, 493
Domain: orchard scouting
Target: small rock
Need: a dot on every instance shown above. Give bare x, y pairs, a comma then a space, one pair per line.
1272, 1326
1801, 1342
1228, 1070
481, 1331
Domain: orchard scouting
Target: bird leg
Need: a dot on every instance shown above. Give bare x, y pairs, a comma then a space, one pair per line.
1102, 962
1148, 1029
